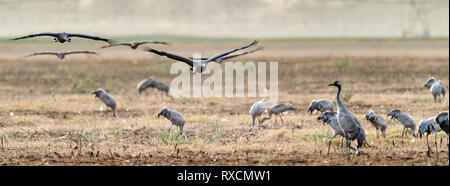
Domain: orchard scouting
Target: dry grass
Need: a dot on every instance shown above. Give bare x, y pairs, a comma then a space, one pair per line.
47, 116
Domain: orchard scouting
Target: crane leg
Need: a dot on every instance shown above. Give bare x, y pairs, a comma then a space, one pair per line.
329, 143
169, 129
448, 148
435, 143
348, 148
114, 114
252, 125
403, 132
429, 149
443, 96
282, 122
276, 117
342, 145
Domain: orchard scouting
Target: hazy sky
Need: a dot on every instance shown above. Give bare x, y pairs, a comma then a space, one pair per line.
226, 18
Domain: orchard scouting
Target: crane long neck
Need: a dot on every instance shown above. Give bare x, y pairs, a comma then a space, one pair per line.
339, 100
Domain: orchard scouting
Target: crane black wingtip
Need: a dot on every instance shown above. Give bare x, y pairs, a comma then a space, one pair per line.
112, 42
147, 49
164, 43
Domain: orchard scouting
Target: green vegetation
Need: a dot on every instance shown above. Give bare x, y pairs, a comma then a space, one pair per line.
342, 64
170, 138
346, 96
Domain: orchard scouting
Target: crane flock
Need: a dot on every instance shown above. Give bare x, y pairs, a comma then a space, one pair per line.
342, 121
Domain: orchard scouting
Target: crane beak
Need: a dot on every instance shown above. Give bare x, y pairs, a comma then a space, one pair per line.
331, 85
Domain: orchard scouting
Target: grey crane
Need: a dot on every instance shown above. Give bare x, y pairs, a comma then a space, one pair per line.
62, 37
429, 126
164, 87
107, 99
257, 110
442, 121
61, 55
406, 120
134, 44
436, 88
378, 122
321, 105
175, 118
278, 109
152, 83
145, 84
351, 126
330, 118
200, 65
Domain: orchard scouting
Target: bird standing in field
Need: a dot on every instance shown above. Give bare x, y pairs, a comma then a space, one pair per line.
145, 84
257, 110
152, 83
442, 121
331, 119
321, 105
62, 37
429, 126
134, 44
378, 122
107, 99
406, 120
61, 55
161, 86
197, 65
351, 126
175, 118
278, 109
436, 88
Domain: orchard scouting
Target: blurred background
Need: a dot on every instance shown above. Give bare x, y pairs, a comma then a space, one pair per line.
230, 18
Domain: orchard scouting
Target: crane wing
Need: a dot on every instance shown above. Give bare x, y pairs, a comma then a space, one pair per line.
39, 34
230, 51
177, 57
92, 37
